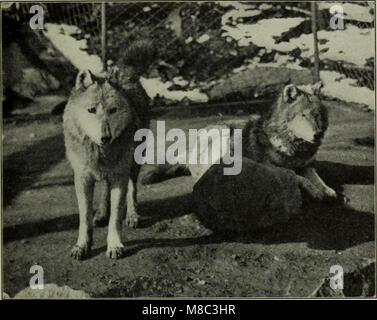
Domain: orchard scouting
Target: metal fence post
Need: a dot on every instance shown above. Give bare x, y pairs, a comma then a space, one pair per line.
315, 38
103, 35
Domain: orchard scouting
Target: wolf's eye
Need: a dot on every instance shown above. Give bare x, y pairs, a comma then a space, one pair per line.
112, 110
92, 110
304, 115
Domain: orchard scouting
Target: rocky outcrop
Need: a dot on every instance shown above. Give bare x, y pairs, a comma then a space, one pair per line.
51, 291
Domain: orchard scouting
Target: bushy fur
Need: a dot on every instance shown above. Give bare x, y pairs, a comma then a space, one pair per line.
272, 139
290, 134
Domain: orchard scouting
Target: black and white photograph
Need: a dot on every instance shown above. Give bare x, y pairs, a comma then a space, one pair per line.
190, 150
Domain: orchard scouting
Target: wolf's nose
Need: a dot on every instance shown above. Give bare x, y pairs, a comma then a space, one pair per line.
105, 140
317, 136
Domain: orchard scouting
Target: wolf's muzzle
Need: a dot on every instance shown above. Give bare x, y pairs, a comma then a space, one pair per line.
105, 140
105, 134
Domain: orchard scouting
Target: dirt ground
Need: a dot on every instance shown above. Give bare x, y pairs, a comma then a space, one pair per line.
171, 254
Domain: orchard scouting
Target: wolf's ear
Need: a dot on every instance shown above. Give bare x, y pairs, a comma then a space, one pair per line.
84, 79
311, 89
317, 87
290, 93
113, 75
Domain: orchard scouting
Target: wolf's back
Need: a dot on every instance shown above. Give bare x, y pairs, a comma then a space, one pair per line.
134, 61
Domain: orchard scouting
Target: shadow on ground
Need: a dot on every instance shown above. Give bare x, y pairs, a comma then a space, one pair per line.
22, 168
325, 228
337, 174
321, 226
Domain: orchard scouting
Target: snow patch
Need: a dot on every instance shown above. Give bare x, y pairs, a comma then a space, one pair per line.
203, 38
262, 33
155, 87
352, 45
61, 37
240, 11
351, 11
336, 85
180, 81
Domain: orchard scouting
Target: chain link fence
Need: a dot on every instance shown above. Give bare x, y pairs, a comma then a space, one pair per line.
357, 15
209, 51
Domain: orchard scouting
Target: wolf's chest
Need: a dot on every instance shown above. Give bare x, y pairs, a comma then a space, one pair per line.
111, 163
273, 150
280, 159
101, 163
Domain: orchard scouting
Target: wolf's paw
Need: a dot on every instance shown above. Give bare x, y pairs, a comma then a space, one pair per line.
331, 193
317, 193
341, 199
115, 252
100, 220
334, 197
132, 220
79, 252
344, 199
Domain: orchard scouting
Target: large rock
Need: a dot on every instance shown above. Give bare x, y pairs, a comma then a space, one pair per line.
258, 197
260, 80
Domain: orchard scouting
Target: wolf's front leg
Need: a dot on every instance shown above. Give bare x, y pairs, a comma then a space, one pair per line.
101, 218
84, 186
132, 217
312, 175
118, 190
310, 188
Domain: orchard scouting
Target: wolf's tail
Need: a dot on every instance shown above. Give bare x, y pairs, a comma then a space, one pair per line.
164, 172
138, 54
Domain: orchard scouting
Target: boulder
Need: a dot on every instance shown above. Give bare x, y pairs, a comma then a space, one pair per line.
260, 196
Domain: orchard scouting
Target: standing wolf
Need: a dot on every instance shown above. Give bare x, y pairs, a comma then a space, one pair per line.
287, 136
100, 119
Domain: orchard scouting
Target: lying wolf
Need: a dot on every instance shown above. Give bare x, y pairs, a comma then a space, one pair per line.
288, 136
99, 122
291, 133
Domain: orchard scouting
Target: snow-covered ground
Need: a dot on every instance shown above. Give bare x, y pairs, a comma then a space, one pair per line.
336, 85
352, 45
154, 87
351, 11
74, 50
240, 10
261, 33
